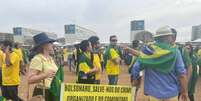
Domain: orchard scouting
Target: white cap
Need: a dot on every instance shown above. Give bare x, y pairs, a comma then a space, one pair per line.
163, 31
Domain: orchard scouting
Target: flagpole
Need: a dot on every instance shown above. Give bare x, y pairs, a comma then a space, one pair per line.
62, 91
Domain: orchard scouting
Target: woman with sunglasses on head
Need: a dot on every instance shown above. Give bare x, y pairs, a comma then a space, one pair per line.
96, 57
42, 66
86, 74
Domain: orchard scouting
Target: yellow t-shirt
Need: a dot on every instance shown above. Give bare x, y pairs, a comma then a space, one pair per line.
1, 58
83, 66
42, 64
199, 53
101, 57
19, 53
65, 54
111, 67
10, 74
97, 64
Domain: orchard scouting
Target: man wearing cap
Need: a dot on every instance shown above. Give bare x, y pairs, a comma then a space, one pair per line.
165, 74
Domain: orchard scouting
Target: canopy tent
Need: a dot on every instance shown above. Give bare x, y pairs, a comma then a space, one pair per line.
57, 43
197, 40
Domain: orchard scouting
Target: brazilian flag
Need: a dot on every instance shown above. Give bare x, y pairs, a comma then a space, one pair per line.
56, 83
107, 54
162, 59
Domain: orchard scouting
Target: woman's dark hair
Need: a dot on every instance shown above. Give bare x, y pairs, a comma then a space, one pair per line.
83, 45
35, 51
112, 36
39, 49
93, 40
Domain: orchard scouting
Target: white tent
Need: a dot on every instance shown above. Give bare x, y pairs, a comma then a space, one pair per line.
197, 40
57, 43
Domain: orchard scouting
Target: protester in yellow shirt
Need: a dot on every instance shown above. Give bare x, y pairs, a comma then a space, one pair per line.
199, 53
86, 74
1, 60
65, 55
112, 59
10, 72
17, 49
101, 52
96, 61
42, 66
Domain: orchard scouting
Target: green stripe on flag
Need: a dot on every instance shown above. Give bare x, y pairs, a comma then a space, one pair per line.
56, 83
163, 62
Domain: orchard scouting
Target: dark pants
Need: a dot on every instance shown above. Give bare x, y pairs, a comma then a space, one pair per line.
113, 79
97, 81
70, 62
102, 66
86, 81
0, 77
48, 95
191, 97
10, 93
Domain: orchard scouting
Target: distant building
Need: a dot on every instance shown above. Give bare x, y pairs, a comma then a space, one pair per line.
25, 35
61, 40
6, 36
75, 33
135, 27
31, 32
196, 32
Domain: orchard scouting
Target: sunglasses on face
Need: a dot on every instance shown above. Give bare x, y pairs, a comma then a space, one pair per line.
188, 48
114, 40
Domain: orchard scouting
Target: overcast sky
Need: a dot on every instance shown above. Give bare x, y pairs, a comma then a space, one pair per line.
105, 17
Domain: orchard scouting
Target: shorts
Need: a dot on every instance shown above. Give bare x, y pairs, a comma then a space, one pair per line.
10, 92
48, 95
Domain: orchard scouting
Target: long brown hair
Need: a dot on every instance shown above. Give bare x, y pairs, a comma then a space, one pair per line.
40, 49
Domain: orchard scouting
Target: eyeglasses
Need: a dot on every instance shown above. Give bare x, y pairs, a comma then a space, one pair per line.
188, 48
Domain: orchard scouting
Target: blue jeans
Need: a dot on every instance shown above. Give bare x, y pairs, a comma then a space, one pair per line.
113, 79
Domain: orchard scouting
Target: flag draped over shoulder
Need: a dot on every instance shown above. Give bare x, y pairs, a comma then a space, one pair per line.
86, 59
107, 54
162, 59
56, 83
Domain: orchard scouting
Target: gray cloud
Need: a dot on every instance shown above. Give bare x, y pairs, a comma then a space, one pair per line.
106, 17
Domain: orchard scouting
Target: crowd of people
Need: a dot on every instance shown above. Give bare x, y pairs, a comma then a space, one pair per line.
168, 70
